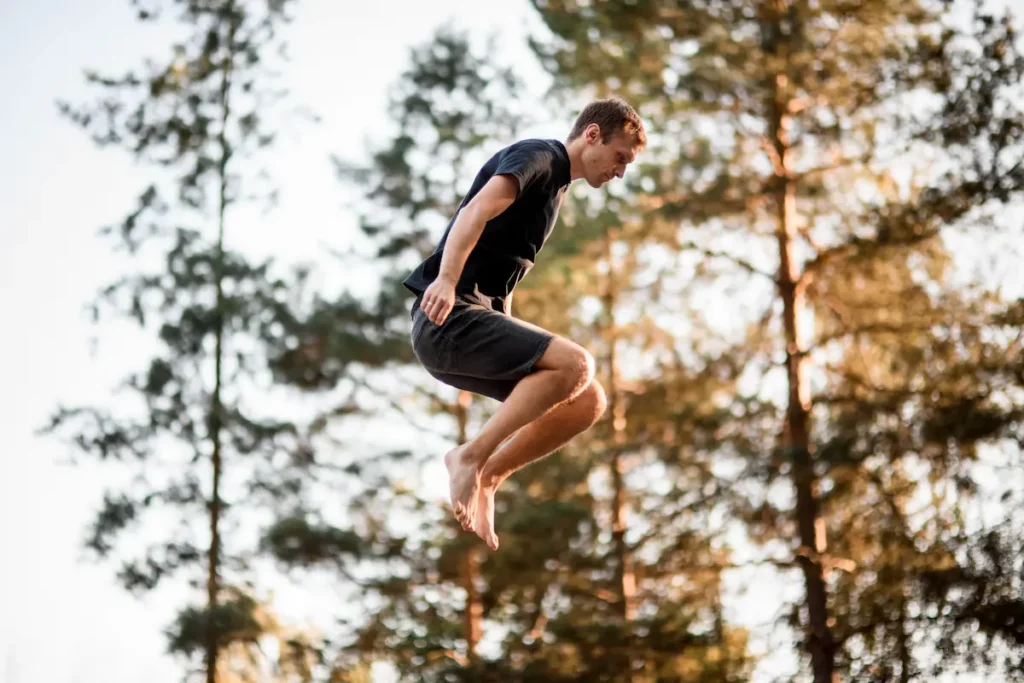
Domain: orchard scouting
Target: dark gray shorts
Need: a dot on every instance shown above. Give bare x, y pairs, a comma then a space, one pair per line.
477, 348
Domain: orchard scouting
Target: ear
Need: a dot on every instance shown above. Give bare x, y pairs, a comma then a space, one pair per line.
593, 133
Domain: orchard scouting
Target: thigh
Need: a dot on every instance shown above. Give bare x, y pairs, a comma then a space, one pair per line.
564, 354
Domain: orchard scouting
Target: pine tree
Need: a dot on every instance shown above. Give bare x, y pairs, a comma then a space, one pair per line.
187, 428
780, 129
451, 108
552, 523
629, 587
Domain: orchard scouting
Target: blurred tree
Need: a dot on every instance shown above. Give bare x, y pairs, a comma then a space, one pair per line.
419, 572
198, 453
850, 140
629, 586
547, 599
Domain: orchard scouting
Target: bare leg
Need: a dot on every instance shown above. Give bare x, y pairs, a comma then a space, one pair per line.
536, 440
563, 372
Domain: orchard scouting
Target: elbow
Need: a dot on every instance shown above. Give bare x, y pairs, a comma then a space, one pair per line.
476, 211
472, 219
470, 211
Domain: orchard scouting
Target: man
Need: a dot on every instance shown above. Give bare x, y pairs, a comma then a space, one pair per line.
463, 332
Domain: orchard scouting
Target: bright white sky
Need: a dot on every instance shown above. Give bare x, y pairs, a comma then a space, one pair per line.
62, 620
65, 621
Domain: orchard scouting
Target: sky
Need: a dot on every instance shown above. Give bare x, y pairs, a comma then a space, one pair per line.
56, 190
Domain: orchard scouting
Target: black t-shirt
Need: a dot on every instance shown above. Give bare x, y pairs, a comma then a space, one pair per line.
508, 246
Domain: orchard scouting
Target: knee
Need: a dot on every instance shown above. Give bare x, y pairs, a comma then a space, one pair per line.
572, 363
597, 399
580, 371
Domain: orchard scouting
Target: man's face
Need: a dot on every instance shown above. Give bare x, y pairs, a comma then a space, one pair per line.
604, 160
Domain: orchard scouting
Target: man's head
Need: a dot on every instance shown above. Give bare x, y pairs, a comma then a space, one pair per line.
606, 138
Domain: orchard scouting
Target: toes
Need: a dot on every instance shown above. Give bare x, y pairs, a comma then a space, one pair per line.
469, 520
464, 516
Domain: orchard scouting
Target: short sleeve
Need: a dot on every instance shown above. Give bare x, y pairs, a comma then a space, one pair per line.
528, 162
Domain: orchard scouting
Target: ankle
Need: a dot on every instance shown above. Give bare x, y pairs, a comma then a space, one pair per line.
473, 455
490, 479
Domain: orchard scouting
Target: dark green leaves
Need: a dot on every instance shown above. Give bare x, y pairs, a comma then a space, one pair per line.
185, 425
294, 541
232, 621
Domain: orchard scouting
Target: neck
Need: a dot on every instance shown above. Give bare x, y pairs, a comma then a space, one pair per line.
575, 150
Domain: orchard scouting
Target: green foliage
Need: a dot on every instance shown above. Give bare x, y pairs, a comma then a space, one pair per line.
551, 589
452, 108
782, 251
231, 621
296, 542
838, 146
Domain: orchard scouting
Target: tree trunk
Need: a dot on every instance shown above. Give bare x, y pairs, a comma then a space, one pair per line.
906, 658
216, 408
625, 578
473, 616
796, 435
796, 439
474, 607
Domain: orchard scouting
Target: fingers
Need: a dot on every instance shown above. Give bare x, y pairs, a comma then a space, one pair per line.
443, 315
429, 306
436, 308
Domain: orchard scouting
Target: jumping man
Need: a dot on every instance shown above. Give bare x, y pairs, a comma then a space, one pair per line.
462, 328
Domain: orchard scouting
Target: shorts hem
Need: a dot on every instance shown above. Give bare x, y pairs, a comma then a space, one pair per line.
541, 348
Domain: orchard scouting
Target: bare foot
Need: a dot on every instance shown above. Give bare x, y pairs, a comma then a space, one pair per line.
463, 482
483, 523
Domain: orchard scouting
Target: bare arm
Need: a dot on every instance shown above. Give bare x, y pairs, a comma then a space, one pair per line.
492, 199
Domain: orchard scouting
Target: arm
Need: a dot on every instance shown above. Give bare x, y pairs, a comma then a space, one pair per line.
493, 198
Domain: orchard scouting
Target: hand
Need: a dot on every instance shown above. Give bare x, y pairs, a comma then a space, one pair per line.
438, 300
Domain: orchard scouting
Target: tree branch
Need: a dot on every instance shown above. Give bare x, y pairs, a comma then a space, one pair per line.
712, 253
404, 411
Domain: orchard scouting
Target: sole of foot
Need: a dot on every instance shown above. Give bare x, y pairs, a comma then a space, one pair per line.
483, 523
463, 485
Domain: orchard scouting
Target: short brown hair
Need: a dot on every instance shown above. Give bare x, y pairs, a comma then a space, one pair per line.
613, 116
